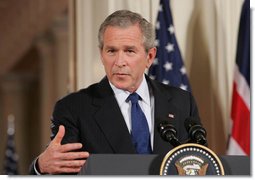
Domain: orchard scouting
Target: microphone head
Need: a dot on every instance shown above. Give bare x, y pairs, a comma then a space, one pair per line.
165, 128
195, 130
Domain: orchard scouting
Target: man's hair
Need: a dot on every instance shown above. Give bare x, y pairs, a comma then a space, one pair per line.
124, 19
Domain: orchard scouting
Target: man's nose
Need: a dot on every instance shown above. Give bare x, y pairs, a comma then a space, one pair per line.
120, 60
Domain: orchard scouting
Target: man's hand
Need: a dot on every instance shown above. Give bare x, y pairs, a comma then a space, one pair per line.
59, 158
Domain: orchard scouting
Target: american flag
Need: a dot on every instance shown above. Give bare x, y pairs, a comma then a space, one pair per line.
168, 66
239, 143
11, 158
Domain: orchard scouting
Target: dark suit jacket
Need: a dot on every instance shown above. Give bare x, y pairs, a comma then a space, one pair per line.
92, 116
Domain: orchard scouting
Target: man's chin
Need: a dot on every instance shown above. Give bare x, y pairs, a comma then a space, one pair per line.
120, 85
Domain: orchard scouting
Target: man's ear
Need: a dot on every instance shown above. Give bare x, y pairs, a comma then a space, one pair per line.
101, 55
151, 56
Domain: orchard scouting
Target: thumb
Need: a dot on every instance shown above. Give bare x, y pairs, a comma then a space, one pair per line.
61, 132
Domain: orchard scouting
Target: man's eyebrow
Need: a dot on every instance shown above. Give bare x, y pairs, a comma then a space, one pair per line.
109, 47
130, 47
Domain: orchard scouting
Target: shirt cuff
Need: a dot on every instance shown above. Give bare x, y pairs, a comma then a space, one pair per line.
36, 167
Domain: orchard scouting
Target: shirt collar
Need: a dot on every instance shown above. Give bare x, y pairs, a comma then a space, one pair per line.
142, 91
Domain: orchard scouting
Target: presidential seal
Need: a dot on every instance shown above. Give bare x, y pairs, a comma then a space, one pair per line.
191, 160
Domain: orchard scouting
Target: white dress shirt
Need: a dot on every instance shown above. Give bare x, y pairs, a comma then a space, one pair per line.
146, 104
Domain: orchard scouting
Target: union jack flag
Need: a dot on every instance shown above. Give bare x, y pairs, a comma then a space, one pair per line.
239, 143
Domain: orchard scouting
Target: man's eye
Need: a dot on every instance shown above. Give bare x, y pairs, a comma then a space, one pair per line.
110, 51
130, 51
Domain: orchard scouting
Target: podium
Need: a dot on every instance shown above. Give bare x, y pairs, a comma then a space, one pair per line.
135, 164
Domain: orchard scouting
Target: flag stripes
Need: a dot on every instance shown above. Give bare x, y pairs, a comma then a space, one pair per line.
239, 143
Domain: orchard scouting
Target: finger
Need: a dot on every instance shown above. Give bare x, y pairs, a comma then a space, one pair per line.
61, 132
70, 164
75, 155
70, 147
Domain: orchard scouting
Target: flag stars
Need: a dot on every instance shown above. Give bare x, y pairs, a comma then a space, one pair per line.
152, 77
157, 25
155, 62
169, 47
171, 29
184, 87
156, 43
165, 81
160, 8
183, 70
168, 66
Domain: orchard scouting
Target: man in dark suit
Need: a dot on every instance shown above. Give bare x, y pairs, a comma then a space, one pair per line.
98, 119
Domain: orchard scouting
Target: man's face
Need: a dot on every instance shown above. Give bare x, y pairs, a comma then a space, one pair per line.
124, 56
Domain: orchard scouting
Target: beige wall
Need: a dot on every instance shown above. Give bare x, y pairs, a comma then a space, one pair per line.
207, 34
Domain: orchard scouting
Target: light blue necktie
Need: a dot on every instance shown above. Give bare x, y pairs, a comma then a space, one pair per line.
140, 131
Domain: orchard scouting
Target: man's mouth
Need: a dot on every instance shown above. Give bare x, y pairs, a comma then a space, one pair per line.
120, 74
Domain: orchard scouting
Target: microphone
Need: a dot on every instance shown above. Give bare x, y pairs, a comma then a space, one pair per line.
168, 133
195, 130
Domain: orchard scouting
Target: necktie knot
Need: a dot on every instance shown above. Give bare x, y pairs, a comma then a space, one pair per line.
134, 97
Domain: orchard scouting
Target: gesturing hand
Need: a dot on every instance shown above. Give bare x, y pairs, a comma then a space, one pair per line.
59, 158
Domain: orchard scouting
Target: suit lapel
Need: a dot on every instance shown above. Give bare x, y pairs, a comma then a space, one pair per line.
164, 110
111, 121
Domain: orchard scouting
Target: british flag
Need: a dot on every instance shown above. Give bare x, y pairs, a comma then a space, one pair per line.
239, 143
